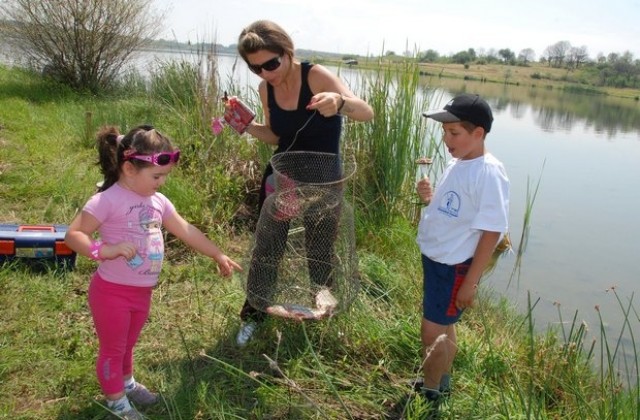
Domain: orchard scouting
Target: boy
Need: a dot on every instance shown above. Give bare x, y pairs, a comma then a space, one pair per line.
458, 231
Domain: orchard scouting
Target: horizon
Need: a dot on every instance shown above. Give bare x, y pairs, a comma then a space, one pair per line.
374, 27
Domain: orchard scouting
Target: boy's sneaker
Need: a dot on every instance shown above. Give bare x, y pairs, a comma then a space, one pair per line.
445, 384
433, 398
245, 333
140, 395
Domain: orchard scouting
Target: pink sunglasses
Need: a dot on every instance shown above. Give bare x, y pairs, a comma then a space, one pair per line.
158, 159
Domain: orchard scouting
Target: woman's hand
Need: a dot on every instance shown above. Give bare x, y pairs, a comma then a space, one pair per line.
327, 104
237, 114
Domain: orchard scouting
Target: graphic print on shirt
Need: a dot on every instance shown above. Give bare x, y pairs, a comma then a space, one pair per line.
150, 243
450, 204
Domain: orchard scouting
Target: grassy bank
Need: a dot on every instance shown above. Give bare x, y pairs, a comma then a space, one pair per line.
533, 75
353, 366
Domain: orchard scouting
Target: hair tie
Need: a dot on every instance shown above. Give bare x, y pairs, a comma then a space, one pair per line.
119, 139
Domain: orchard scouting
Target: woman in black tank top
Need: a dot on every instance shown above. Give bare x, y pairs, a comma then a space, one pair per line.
303, 108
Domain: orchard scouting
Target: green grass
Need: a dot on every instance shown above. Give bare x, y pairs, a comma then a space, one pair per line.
353, 366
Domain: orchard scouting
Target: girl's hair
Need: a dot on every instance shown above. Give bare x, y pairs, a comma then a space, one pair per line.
264, 35
113, 148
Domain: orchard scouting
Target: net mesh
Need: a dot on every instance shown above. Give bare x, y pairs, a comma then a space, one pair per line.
303, 262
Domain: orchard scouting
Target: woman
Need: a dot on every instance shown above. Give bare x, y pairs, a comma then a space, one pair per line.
303, 107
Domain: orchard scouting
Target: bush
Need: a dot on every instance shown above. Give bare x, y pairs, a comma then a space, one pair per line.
83, 44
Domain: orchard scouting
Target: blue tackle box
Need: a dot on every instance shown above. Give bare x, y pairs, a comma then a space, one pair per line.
38, 246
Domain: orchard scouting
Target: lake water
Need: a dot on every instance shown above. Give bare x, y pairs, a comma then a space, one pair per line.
583, 238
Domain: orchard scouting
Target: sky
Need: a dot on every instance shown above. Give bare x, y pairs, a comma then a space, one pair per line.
366, 27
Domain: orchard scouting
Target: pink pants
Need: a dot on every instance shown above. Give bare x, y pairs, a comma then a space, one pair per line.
119, 312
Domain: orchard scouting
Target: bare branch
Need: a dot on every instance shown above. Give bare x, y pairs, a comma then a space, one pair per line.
83, 43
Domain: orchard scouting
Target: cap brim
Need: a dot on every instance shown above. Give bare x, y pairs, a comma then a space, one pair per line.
441, 116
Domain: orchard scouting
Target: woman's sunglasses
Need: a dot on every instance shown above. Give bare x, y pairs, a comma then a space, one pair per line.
158, 159
270, 65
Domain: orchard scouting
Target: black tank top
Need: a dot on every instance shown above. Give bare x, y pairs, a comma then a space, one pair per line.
321, 134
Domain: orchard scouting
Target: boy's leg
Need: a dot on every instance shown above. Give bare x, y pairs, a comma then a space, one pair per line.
438, 333
435, 352
452, 349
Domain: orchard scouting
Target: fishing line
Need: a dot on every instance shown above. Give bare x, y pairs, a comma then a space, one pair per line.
295, 137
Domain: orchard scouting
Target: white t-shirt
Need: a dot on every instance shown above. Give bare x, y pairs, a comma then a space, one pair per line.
471, 196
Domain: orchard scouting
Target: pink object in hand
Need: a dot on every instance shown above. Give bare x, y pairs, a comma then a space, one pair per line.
216, 125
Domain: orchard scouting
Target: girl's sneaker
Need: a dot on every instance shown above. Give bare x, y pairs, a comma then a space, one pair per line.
132, 414
140, 395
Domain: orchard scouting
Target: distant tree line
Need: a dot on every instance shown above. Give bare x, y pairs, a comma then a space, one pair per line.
613, 70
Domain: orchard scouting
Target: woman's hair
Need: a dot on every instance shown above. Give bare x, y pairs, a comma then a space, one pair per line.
113, 147
264, 35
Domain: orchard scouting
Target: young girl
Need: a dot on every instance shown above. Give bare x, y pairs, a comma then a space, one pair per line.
127, 212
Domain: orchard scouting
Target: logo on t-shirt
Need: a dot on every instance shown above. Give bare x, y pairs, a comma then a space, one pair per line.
450, 204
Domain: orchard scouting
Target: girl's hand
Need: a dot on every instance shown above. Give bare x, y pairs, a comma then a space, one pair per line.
227, 265
425, 191
123, 249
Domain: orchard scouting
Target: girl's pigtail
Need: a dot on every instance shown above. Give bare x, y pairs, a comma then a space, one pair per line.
108, 141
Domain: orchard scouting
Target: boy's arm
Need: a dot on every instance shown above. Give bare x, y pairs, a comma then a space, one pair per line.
481, 257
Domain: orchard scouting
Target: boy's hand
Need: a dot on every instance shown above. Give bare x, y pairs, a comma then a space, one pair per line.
424, 190
466, 295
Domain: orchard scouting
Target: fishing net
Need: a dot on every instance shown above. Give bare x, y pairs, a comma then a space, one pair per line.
303, 262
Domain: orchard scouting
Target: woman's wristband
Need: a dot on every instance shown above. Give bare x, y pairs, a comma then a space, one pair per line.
342, 104
94, 250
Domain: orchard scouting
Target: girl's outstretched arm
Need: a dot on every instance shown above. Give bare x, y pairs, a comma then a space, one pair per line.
197, 240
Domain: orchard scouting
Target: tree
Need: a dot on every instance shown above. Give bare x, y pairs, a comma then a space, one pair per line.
82, 43
429, 56
464, 57
526, 55
507, 55
557, 53
577, 56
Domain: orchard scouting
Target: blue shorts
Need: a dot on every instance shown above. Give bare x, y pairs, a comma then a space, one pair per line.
440, 287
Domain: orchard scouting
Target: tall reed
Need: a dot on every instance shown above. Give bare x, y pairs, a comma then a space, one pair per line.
388, 146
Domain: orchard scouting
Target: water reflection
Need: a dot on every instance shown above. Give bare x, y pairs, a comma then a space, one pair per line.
554, 109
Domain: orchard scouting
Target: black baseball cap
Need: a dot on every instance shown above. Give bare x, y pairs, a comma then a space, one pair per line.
465, 107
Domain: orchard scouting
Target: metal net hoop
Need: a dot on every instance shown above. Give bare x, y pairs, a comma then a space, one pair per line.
303, 260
